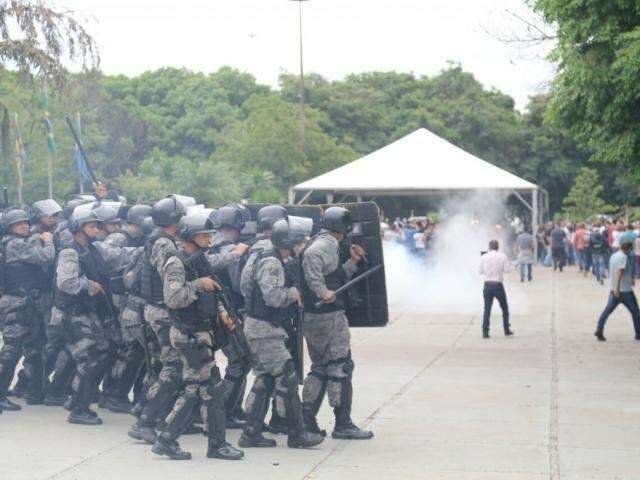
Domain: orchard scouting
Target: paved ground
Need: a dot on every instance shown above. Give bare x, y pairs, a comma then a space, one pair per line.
444, 404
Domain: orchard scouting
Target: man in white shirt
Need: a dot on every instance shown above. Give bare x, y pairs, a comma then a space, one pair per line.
493, 266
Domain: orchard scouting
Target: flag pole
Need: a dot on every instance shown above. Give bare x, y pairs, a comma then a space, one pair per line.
49, 152
79, 124
18, 158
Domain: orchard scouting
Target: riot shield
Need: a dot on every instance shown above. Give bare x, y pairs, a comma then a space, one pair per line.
366, 300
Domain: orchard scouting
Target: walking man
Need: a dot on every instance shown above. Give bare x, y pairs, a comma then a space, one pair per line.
622, 283
558, 244
493, 266
524, 245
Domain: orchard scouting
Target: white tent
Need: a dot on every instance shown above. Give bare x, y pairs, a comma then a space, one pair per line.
420, 163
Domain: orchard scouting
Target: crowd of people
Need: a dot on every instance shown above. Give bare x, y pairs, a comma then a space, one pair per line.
107, 303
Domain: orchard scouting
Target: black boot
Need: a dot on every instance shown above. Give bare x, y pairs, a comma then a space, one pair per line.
115, 405
216, 421
485, 334
80, 413
170, 448
223, 451
600, 335
310, 409
233, 401
507, 332
297, 436
144, 433
252, 434
344, 428
8, 405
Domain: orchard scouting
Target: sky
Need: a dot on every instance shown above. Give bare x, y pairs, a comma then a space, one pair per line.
340, 37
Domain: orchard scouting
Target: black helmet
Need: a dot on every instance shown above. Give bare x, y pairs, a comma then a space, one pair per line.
289, 233
45, 208
71, 205
138, 213
167, 211
14, 216
191, 225
228, 216
148, 226
106, 213
270, 214
80, 217
337, 219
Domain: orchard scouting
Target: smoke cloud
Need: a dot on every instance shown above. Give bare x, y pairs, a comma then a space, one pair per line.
448, 280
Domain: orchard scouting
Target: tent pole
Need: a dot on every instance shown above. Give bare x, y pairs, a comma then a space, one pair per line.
534, 221
304, 198
292, 196
329, 197
521, 198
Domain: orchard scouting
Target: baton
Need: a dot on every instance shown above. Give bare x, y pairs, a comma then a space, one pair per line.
351, 283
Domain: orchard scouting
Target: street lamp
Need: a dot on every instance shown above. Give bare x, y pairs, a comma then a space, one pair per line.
302, 116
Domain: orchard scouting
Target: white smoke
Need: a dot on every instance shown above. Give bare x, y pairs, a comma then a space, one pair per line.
448, 280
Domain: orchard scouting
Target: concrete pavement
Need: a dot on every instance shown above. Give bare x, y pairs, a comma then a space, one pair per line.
549, 403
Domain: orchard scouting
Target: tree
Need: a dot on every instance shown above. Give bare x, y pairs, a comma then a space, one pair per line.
584, 200
37, 39
596, 95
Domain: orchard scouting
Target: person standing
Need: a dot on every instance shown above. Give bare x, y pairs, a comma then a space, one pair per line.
579, 246
622, 284
524, 246
326, 328
558, 238
598, 248
493, 266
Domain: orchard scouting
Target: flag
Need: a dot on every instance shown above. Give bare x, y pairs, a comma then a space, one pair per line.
84, 176
19, 152
48, 126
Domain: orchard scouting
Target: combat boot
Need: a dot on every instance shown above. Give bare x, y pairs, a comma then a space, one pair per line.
223, 450
84, 418
33, 398
143, 433
8, 405
115, 405
305, 440
311, 423
297, 436
170, 449
277, 424
255, 440
348, 431
344, 428
55, 400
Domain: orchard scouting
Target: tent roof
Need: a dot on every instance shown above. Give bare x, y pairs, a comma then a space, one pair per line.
420, 162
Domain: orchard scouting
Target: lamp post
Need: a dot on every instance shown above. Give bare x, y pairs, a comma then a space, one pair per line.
302, 115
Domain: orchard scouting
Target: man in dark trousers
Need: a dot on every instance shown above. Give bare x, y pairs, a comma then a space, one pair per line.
622, 283
493, 266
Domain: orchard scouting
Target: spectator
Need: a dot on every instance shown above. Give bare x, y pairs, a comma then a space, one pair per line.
524, 247
598, 249
558, 239
579, 245
622, 283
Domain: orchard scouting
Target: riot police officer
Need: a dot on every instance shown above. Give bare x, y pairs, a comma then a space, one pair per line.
272, 294
190, 296
326, 328
25, 258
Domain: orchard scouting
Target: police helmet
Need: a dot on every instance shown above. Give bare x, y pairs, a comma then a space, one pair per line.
148, 226
80, 217
191, 225
291, 232
137, 214
45, 208
16, 215
71, 205
270, 214
228, 216
168, 211
106, 213
337, 219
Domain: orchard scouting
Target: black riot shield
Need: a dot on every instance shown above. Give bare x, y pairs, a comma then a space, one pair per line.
366, 300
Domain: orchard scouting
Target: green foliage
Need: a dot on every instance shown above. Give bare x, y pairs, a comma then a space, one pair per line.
584, 200
596, 93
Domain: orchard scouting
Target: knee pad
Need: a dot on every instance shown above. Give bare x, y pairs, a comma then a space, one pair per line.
264, 383
215, 385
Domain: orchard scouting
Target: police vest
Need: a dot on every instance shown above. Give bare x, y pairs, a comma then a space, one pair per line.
91, 266
332, 280
21, 278
198, 315
257, 307
224, 277
150, 281
115, 278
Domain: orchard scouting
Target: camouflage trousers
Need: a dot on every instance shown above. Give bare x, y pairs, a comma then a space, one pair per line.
203, 386
329, 344
271, 358
22, 336
163, 391
90, 348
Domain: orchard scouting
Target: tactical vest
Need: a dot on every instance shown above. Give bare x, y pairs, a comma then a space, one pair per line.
332, 280
91, 266
21, 278
198, 315
223, 275
257, 307
115, 277
150, 280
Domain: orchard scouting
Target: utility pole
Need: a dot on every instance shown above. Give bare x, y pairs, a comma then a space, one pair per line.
302, 114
